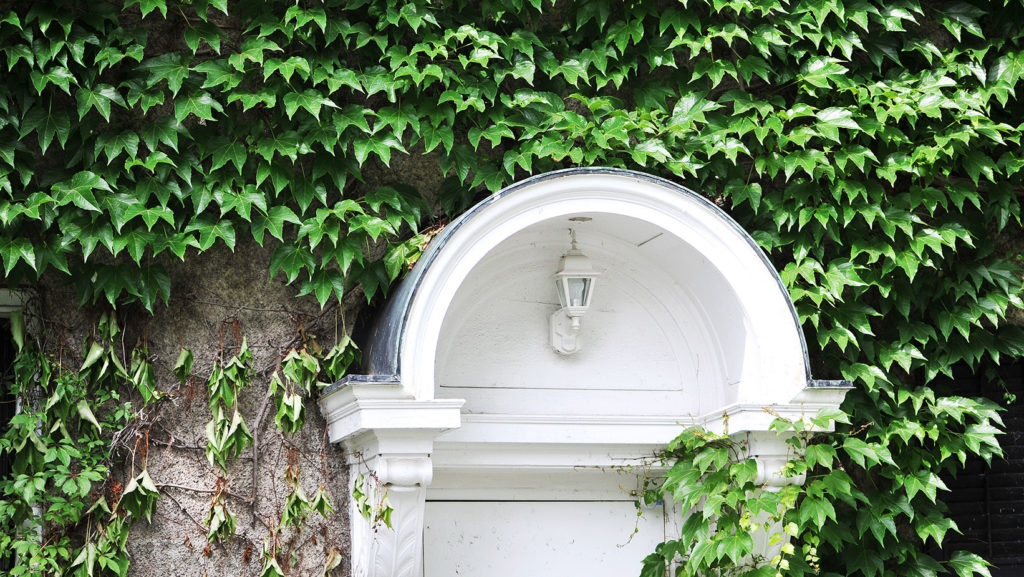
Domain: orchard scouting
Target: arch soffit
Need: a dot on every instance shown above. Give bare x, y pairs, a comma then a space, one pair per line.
404, 342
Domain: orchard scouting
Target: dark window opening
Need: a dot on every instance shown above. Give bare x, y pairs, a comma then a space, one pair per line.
987, 502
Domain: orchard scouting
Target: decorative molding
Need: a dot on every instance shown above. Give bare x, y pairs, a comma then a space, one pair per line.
21, 301
771, 453
636, 430
393, 438
395, 421
396, 551
388, 436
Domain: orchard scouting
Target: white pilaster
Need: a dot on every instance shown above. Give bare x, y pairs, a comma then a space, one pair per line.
388, 438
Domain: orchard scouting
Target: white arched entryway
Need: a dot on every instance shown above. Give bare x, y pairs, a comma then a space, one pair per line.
507, 451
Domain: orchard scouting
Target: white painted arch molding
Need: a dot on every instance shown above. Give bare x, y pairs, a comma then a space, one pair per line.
690, 325
777, 371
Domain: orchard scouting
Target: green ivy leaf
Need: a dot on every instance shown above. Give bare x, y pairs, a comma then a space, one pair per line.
273, 222
979, 164
147, 6
287, 68
210, 229
200, 104
14, 250
204, 31
100, 99
224, 151
183, 366
219, 74
831, 120
968, 564
380, 145
48, 124
322, 283
291, 260
348, 250
959, 16
113, 145
139, 496
57, 75
80, 191
822, 72
309, 100
172, 67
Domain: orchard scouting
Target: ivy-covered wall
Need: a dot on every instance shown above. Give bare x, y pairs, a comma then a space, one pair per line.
156, 153
219, 298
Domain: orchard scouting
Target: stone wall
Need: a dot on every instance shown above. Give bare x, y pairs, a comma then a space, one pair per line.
218, 298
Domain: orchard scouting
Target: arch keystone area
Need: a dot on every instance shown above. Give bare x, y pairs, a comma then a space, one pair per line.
462, 398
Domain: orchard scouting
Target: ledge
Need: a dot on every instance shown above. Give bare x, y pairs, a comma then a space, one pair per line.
355, 407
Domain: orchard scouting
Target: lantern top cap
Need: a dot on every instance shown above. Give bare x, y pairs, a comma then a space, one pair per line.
574, 262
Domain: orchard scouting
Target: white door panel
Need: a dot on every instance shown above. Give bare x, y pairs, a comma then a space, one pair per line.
538, 538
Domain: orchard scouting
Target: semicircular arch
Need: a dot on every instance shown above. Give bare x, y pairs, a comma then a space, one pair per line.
710, 260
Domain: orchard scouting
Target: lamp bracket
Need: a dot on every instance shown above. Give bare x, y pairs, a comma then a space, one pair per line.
565, 332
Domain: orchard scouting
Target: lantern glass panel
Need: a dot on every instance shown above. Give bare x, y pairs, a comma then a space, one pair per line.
579, 287
560, 283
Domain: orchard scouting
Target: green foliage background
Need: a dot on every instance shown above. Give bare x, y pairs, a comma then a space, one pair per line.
872, 149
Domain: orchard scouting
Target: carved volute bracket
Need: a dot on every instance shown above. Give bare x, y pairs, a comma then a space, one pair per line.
388, 439
771, 453
398, 482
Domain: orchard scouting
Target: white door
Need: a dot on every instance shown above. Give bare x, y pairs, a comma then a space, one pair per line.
538, 538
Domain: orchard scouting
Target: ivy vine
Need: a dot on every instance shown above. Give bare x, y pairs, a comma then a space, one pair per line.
738, 525
872, 148
68, 506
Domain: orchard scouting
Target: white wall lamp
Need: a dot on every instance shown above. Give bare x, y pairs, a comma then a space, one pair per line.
575, 283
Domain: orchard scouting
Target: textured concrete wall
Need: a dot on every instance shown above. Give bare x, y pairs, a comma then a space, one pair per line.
217, 298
